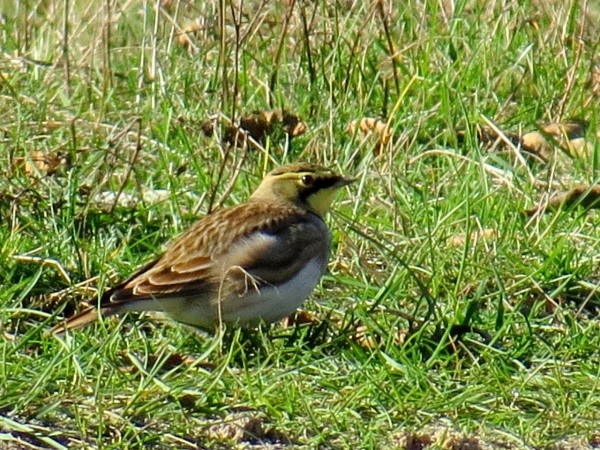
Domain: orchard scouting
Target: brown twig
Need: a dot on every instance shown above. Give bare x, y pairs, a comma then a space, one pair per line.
571, 78
390, 44
65, 48
213, 193
306, 35
233, 179
138, 147
223, 54
107, 81
237, 24
286, 22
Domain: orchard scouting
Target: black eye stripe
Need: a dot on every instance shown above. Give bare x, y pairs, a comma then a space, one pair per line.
317, 185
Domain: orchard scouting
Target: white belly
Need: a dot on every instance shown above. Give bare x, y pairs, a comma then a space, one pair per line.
268, 305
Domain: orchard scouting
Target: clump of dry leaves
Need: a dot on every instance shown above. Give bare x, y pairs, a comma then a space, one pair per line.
543, 143
255, 127
438, 436
189, 33
372, 128
248, 427
586, 196
40, 163
486, 234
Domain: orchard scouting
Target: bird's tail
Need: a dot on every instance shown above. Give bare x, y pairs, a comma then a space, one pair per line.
82, 319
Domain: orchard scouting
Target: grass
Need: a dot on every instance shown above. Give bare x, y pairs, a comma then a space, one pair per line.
502, 347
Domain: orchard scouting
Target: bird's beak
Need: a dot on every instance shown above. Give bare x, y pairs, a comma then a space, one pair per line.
344, 182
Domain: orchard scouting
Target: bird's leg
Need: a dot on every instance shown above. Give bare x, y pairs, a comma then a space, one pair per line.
250, 281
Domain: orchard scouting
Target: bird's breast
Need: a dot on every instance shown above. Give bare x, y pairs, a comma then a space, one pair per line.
271, 303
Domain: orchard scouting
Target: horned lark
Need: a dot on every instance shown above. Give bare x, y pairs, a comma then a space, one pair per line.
253, 262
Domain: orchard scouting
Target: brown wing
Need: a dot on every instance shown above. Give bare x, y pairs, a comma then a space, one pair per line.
193, 264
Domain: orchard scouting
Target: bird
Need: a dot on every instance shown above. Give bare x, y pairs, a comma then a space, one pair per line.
242, 265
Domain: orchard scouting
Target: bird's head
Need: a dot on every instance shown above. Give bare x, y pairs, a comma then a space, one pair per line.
308, 185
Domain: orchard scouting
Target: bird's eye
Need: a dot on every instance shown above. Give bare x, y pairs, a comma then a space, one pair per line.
307, 180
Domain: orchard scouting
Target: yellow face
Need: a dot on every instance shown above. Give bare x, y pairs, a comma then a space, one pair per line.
320, 201
307, 184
